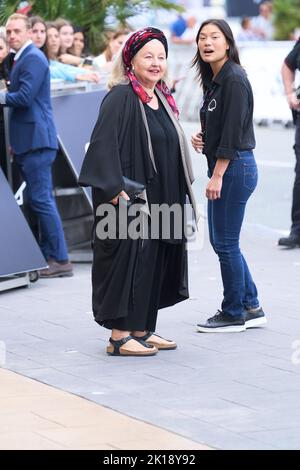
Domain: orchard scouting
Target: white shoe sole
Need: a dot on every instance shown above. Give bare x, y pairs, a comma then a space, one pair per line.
224, 329
256, 322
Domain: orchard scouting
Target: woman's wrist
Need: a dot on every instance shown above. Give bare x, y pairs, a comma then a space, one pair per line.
217, 175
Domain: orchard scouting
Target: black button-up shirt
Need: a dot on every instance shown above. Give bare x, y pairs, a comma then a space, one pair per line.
293, 58
227, 114
293, 62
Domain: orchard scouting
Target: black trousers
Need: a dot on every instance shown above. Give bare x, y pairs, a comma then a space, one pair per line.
296, 190
147, 288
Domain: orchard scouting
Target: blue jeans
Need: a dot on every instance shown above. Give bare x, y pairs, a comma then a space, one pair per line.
35, 169
225, 218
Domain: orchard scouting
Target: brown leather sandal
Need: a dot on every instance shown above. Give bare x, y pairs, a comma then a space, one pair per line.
116, 348
158, 341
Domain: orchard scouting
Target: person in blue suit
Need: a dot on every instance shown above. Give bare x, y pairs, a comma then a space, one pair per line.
33, 139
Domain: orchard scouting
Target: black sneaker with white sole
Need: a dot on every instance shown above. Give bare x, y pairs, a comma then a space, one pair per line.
223, 323
255, 318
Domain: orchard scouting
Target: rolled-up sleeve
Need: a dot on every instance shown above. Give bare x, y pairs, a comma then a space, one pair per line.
235, 108
292, 60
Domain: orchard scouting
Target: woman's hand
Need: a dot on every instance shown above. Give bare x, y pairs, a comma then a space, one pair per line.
115, 200
88, 77
197, 142
70, 59
213, 189
293, 101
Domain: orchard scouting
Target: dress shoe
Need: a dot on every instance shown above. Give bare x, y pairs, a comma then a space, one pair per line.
56, 269
292, 241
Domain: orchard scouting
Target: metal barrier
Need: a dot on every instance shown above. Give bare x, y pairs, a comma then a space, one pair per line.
74, 203
19, 251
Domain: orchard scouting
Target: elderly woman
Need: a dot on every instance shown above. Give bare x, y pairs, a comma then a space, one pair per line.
138, 136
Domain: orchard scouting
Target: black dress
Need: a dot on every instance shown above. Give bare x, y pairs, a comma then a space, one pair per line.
168, 185
132, 279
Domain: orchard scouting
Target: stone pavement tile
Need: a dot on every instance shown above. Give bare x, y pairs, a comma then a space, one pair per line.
186, 419
64, 381
98, 447
288, 382
22, 422
220, 438
285, 364
18, 389
20, 348
126, 372
17, 362
284, 439
166, 417
216, 373
62, 358
259, 399
160, 443
47, 418
219, 391
13, 334
196, 429
34, 402
79, 322
279, 419
221, 413
160, 439
28, 441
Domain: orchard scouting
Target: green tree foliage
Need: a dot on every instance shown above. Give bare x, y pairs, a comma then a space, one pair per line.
89, 14
286, 17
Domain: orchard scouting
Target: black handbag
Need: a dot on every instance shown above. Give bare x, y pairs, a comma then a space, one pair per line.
133, 189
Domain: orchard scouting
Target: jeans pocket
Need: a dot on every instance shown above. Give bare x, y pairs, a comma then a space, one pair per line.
250, 176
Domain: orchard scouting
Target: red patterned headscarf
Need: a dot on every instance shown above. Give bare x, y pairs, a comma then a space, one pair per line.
135, 42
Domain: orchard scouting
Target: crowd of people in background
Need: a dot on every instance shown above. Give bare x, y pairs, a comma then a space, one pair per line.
66, 49
258, 28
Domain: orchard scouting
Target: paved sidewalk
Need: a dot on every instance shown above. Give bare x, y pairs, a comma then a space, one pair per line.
36, 416
228, 391
237, 391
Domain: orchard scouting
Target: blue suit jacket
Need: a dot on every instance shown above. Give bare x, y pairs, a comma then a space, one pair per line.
31, 118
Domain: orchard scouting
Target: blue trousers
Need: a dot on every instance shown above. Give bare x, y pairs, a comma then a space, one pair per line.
225, 218
35, 168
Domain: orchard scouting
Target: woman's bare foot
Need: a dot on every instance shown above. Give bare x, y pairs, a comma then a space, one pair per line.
139, 334
119, 334
128, 346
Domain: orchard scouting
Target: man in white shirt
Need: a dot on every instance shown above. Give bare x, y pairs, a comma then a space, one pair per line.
262, 25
